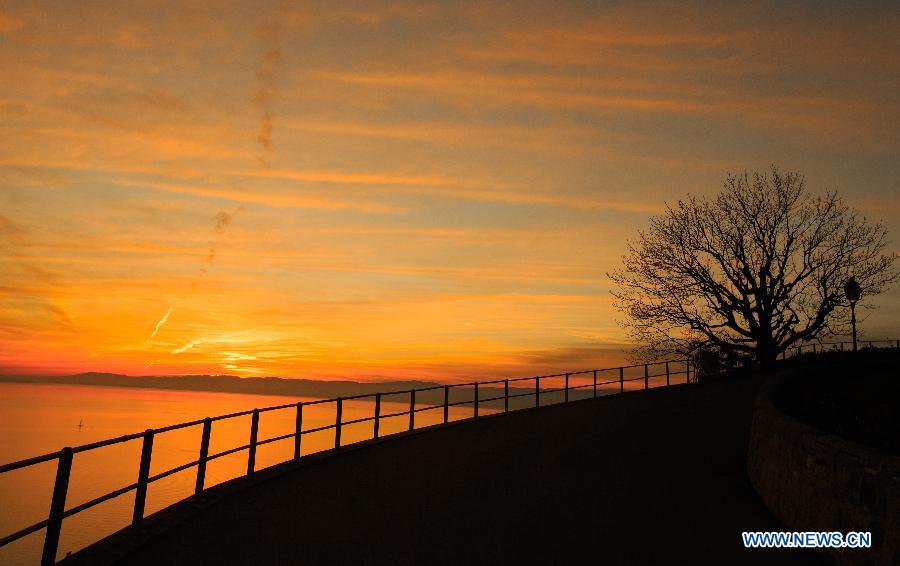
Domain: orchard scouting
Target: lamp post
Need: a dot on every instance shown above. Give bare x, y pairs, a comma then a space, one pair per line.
853, 292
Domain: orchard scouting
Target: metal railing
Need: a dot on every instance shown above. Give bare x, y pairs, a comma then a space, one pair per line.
816, 347
65, 457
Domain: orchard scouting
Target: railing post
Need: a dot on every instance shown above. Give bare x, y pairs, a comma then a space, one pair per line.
842, 346
204, 452
446, 403
646, 377
505, 395
57, 507
412, 409
475, 403
595, 384
254, 431
566, 395
537, 391
870, 344
667, 375
621, 380
377, 415
140, 494
298, 431
338, 421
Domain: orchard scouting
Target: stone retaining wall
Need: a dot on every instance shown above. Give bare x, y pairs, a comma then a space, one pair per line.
815, 481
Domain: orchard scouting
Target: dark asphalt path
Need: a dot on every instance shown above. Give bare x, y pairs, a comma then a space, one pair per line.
642, 478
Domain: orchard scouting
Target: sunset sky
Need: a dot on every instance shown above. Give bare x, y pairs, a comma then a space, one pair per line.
377, 190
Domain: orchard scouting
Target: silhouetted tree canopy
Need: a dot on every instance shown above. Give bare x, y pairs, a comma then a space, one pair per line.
750, 272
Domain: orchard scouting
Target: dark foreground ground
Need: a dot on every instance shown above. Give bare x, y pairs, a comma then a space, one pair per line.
643, 478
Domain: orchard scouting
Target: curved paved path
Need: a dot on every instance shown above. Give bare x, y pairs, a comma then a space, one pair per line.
643, 478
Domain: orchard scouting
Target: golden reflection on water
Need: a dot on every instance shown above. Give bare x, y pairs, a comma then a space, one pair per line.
41, 418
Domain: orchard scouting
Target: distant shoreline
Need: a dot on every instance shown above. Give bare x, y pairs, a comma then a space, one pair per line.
283, 387
276, 386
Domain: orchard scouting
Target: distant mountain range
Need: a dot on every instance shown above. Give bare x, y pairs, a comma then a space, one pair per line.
226, 384
289, 387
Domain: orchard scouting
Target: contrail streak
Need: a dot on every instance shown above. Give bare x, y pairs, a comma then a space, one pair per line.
161, 322
266, 71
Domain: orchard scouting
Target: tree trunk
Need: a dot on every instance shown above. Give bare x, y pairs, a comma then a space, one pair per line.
766, 351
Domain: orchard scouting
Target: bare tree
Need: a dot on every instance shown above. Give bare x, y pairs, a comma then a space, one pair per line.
751, 272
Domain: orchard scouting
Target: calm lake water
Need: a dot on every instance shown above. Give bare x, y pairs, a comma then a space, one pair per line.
37, 418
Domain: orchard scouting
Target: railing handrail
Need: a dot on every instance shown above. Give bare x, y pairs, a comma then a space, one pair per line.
64, 456
134, 436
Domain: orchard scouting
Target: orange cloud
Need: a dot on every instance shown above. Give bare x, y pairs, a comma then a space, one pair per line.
10, 22
451, 181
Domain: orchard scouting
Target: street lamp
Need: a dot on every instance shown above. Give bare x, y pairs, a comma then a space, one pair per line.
853, 292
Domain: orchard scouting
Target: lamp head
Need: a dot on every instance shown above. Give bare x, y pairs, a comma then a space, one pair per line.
852, 290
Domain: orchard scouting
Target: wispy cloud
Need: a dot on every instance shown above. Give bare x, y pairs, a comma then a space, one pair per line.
271, 198
14, 240
270, 60
222, 220
188, 345
162, 321
230, 338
